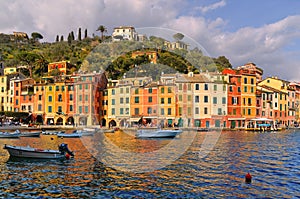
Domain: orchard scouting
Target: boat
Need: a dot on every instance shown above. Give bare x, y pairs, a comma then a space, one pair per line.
30, 134
202, 129
157, 133
29, 152
51, 132
262, 124
15, 134
108, 130
74, 134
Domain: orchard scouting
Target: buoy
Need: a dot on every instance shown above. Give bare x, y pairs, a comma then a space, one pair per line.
68, 156
248, 178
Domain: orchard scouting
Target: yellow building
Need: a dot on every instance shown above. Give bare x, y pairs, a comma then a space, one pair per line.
281, 99
9, 70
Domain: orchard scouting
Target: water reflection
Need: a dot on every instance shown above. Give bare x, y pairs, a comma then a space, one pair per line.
273, 159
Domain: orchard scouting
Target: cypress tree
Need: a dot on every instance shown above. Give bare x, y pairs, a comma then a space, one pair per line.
79, 34
72, 36
62, 38
85, 33
57, 38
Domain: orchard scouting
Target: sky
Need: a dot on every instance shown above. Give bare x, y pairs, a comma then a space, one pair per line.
266, 32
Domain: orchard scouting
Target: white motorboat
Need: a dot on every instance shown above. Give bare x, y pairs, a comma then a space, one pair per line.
30, 134
157, 133
74, 134
29, 152
15, 134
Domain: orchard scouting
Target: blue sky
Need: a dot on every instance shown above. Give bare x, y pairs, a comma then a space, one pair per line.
265, 32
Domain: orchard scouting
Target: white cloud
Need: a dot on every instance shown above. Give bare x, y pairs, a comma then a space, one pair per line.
265, 45
210, 7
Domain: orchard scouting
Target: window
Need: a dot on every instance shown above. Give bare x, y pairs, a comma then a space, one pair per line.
60, 98
121, 111
56, 88
86, 98
206, 87
169, 90
245, 89
180, 87
245, 80
205, 110
180, 110
162, 111
189, 98
215, 87
80, 87
59, 109
136, 100
205, 99
113, 92
169, 111
86, 109
86, 86
249, 111
49, 98
113, 102
17, 102
113, 111
239, 89
136, 111
162, 90
127, 90
62, 88
252, 81
149, 99
121, 90
219, 111
169, 100
121, 100
37, 88
215, 100
50, 88
249, 101
150, 90
197, 99
196, 110
71, 97
149, 110
197, 87
127, 100
39, 107
49, 109
80, 98
136, 91
162, 100
223, 100
17, 93
40, 97
252, 89
180, 98
71, 107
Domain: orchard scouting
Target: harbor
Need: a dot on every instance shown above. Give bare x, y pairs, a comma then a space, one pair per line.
272, 158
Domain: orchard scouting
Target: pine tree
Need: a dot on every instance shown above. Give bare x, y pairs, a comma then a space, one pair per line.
79, 34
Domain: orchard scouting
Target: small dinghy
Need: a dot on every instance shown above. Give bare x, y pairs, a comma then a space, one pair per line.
29, 152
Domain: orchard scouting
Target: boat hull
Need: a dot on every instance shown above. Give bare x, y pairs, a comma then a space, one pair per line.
165, 133
30, 134
28, 152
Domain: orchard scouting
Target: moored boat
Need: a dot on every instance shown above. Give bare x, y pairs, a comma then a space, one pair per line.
30, 134
74, 134
157, 133
15, 134
29, 152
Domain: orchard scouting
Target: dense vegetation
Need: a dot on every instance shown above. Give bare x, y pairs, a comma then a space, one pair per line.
98, 53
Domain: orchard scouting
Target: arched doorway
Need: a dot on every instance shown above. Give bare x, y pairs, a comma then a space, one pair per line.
82, 121
70, 121
59, 121
39, 119
112, 123
103, 122
50, 121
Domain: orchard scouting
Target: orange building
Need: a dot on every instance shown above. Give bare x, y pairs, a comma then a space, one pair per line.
64, 67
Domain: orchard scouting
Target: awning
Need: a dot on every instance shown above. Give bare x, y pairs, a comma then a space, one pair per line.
238, 118
134, 119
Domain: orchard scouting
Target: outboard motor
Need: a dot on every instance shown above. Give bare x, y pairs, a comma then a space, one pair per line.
63, 148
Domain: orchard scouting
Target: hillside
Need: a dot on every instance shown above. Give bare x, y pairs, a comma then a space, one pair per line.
89, 54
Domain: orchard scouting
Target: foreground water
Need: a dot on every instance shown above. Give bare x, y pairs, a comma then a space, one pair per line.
273, 159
